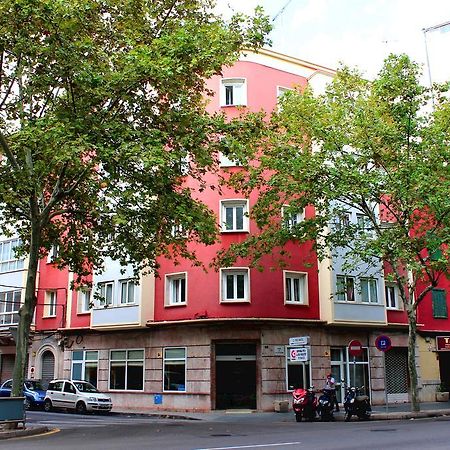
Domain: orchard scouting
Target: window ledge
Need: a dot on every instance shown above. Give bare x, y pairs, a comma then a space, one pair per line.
175, 305
234, 231
296, 303
224, 302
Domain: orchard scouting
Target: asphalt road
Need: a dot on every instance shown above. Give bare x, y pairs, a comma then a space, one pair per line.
121, 432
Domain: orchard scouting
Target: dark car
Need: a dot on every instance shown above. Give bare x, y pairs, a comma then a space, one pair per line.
32, 391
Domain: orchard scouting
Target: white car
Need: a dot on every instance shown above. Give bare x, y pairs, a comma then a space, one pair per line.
74, 394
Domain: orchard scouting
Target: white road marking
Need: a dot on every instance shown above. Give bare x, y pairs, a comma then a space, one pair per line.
250, 446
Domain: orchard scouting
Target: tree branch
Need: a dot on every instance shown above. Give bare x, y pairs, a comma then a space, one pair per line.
9, 154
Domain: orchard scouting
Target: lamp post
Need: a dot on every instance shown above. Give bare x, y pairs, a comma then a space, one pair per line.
425, 31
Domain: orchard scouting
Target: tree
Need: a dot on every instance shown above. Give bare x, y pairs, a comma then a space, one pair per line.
372, 146
102, 111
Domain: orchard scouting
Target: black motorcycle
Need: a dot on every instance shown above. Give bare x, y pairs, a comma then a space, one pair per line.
356, 403
325, 405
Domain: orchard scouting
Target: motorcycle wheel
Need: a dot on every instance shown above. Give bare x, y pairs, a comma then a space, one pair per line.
298, 417
348, 416
364, 416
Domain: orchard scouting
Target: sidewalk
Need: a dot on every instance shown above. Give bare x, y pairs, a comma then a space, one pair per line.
398, 411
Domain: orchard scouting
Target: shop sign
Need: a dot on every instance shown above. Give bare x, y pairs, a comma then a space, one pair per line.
443, 343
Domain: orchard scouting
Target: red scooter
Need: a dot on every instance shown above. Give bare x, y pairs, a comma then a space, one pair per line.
304, 403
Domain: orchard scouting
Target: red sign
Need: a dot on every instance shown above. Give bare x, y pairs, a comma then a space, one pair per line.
443, 343
354, 348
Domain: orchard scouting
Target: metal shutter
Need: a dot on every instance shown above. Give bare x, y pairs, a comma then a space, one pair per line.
7, 367
48, 368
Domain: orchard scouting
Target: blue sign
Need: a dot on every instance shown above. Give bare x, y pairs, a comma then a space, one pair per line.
383, 343
157, 399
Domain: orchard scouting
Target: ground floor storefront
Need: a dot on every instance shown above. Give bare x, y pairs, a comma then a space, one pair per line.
228, 364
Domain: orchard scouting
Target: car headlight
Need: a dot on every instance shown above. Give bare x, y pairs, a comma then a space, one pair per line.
92, 399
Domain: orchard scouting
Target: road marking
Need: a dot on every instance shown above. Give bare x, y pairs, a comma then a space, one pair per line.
250, 446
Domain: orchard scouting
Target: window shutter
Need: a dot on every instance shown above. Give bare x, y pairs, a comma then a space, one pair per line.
439, 304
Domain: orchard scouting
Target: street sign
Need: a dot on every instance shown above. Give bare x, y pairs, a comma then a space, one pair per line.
299, 354
354, 348
383, 343
302, 340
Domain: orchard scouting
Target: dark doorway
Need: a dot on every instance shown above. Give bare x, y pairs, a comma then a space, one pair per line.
236, 376
444, 369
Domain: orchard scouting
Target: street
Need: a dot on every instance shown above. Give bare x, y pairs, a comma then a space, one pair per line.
132, 432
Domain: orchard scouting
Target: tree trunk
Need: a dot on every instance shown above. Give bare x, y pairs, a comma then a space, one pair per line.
26, 312
412, 328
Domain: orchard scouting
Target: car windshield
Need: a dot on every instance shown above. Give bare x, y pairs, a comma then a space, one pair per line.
85, 387
34, 385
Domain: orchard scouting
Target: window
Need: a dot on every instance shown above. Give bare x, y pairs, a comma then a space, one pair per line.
234, 215
50, 304
224, 161
176, 289
8, 259
53, 254
298, 373
235, 285
85, 365
233, 92
177, 231
363, 222
127, 292
106, 293
9, 307
342, 221
439, 303
295, 285
369, 290
281, 90
345, 288
84, 300
175, 369
392, 298
292, 218
126, 370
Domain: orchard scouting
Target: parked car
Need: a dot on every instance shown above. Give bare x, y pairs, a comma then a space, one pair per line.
33, 392
80, 396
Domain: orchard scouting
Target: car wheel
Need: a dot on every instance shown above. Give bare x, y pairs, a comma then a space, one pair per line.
80, 408
48, 405
27, 403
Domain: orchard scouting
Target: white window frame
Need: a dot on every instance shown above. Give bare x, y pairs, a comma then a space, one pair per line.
290, 291
342, 221
394, 289
51, 298
126, 362
239, 85
234, 203
53, 254
173, 290
224, 161
304, 366
83, 362
174, 360
84, 300
345, 294
8, 260
289, 219
126, 300
102, 290
8, 313
235, 272
369, 280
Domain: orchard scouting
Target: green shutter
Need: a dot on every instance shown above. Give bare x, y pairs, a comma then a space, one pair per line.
439, 304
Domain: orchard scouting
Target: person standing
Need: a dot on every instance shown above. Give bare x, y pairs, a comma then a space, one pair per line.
330, 386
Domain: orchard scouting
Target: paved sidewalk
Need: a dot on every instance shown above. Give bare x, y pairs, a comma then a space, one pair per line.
396, 411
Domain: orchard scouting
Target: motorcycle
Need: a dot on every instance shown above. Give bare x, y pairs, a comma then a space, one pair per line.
304, 404
356, 404
326, 405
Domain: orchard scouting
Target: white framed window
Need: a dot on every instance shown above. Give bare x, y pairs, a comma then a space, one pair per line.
53, 254
369, 290
392, 296
281, 90
233, 92
8, 259
177, 231
174, 376
292, 218
127, 292
235, 285
342, 221
224, 161
50, 304
126, 370
176, 289
298, 373
105, 292
345, 288
295, 288
85, 365
9, 307
364, 223
234, 215
84, 300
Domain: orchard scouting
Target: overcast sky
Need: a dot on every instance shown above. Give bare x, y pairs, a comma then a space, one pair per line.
358, 33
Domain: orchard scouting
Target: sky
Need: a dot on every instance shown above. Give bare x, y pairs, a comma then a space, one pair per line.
358, 33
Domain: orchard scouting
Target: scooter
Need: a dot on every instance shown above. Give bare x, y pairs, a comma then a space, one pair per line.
356, 404
326, 405
304, 404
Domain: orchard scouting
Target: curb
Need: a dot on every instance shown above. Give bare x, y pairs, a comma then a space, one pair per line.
9, 434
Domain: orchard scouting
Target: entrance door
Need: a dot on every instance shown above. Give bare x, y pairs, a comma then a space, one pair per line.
48, 368
235, 376
444, 368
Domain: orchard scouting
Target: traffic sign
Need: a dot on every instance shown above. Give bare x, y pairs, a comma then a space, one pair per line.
299, 354
301, 340
383, 343
354, 348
